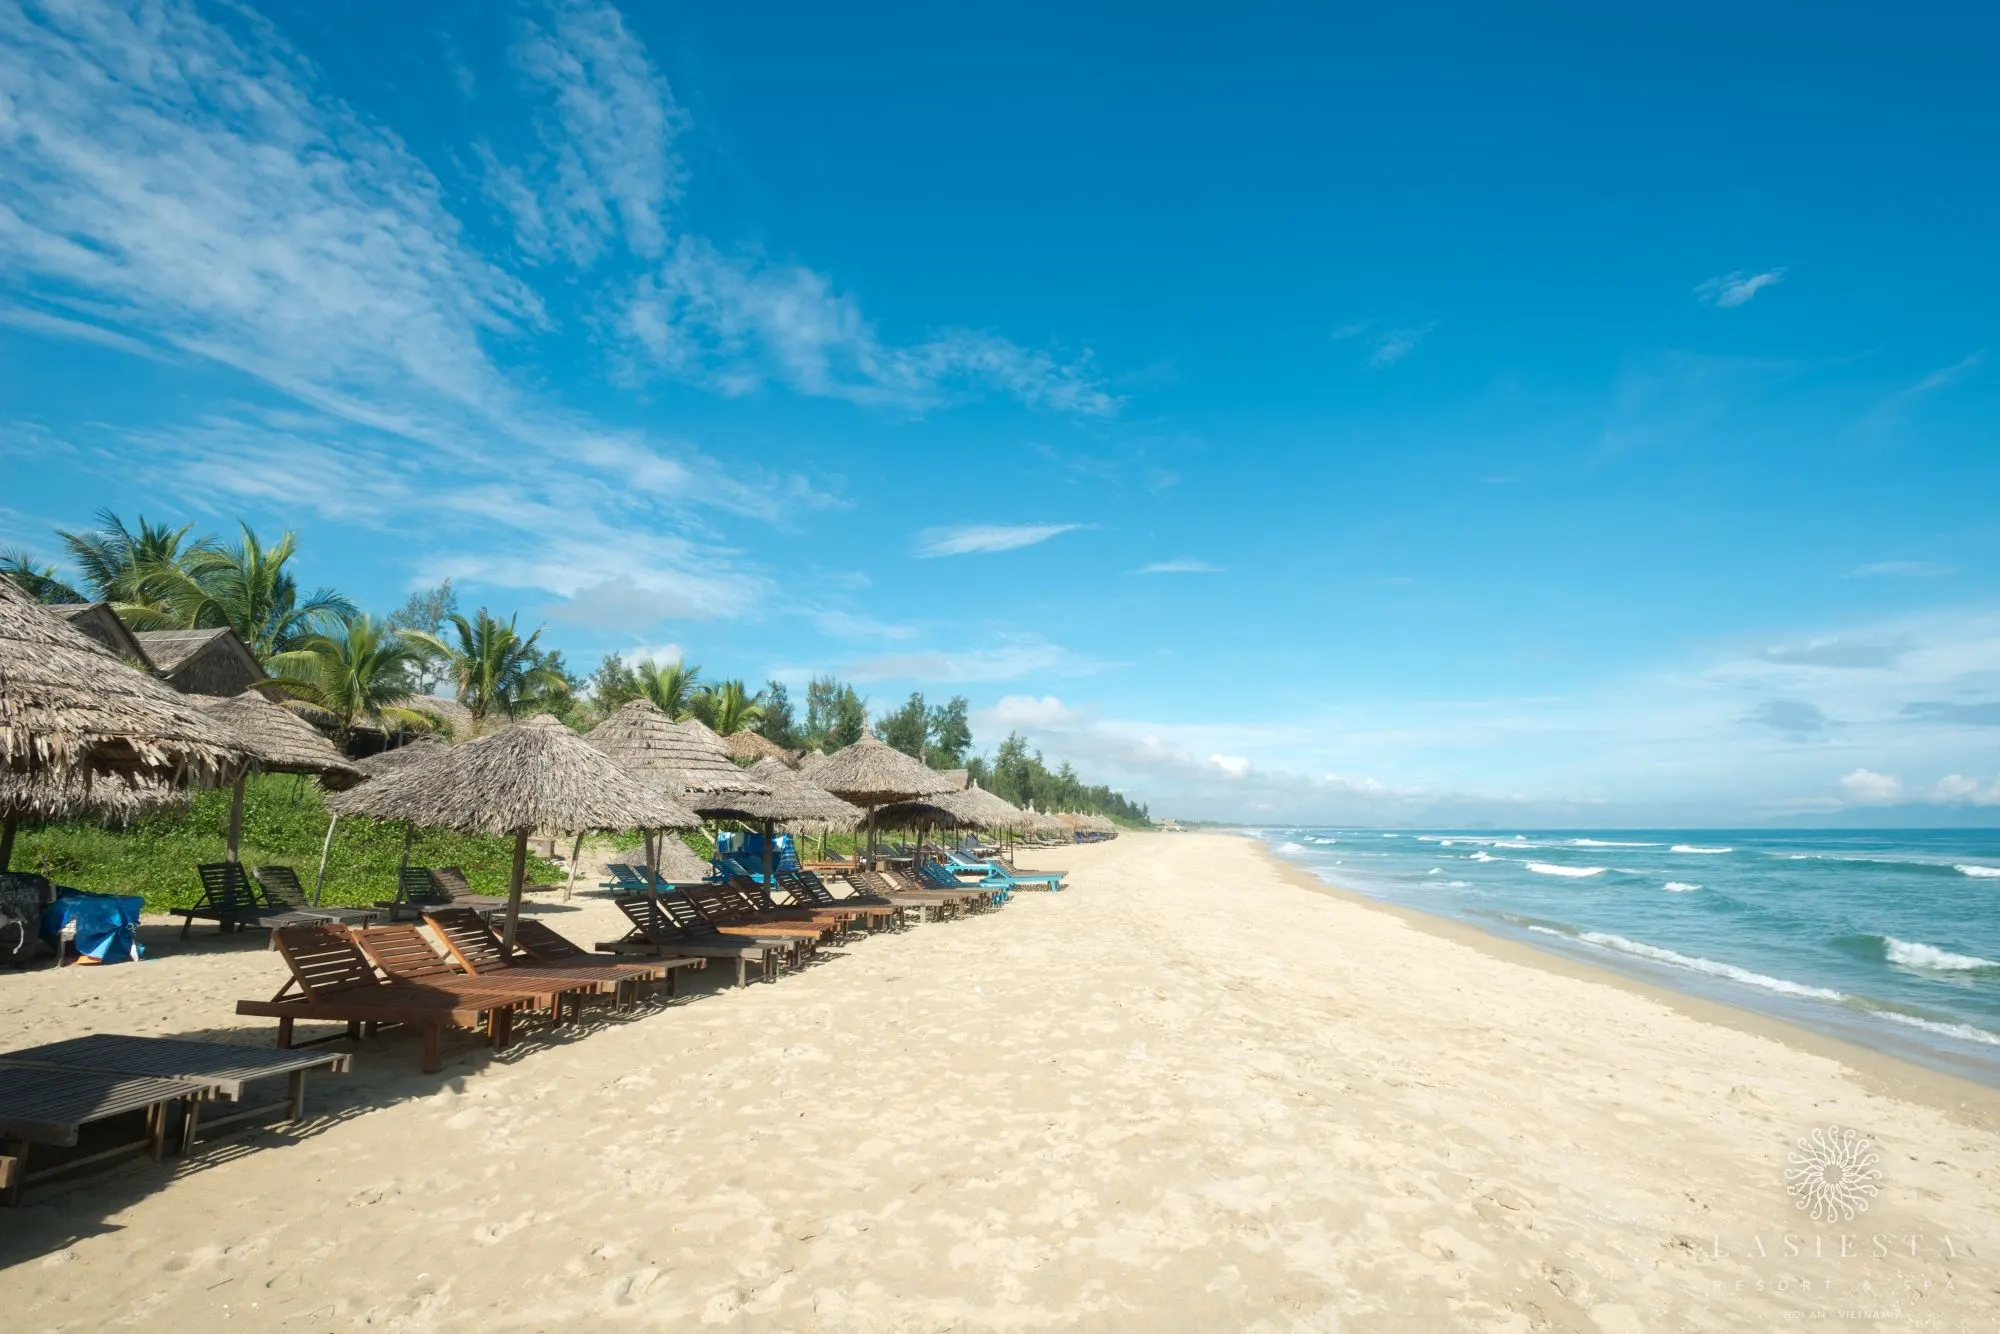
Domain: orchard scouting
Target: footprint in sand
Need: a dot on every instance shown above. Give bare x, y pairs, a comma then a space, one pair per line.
490, 1233
631, 1288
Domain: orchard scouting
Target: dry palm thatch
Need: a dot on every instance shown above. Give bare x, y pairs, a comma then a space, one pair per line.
935, 811
410, 752
806, 805
533, 775
869, 773
66, 703
654, 749
279, 741
752, 746
676, 863
48, 795
811, 763
453, 717
960, 779
984, 810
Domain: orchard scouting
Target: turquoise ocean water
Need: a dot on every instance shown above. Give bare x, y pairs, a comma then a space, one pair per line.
1891, 939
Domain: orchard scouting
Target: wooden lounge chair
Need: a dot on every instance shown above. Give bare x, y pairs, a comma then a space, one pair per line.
418, 887
225, 1069
808, 890
233, 901
40, 1106
732, 915
405, 957
281, 886
752, 897
336, 983
655, 931
935, 902
974, 898
480, 953
451, 882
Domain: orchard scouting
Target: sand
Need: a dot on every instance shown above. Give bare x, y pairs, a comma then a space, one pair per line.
1188, 1094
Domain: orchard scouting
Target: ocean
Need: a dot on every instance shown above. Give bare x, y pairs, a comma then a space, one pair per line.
1891, 939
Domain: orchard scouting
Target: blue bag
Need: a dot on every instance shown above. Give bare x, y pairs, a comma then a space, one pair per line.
102, 927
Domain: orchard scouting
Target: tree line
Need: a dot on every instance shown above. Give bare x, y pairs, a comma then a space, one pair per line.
355, 670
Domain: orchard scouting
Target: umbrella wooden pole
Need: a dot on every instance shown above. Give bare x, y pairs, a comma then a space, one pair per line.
514, 880
324, 848
769, 880
6, 842
236, 816
409, 832
576, 850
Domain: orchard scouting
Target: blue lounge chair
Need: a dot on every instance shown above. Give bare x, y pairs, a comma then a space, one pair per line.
995, 871
937, 876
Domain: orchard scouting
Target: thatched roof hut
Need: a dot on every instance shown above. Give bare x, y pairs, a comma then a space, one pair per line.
48, 795
456, 719
214, 661
651, 747
986, 810
533, 775
869, 773
67, 702
98, 621
811, 763
677, 863
752, 746
960, 779
410, 752
805, 804
279, 741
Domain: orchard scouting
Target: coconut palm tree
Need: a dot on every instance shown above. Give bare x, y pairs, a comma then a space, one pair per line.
247, 588
492, 668
730, 708
133, 570
37, 581
354, 676
672, 687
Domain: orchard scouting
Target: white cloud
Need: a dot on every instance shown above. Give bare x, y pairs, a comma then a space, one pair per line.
1958, 790
1234, 765
980, 538
736, 323
1008, 659
1865, 787
1908, 569
607, 166
1393, 346
1183, 565
1017, 711
1734, 289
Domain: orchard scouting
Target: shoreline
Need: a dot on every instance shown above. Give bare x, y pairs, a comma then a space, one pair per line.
1966, 1101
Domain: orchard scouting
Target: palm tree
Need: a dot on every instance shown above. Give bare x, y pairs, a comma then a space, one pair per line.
247, 588
37, 581
355, 676
489, 664
132, 570
672, 687
730, 708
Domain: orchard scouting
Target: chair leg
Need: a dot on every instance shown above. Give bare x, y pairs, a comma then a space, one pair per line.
430, 1049
285, 1031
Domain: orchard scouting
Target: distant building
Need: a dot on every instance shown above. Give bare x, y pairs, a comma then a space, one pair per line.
203, 662
1169, 826
99, 622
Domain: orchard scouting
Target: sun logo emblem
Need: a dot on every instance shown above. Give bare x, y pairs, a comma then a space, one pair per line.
1833, 1174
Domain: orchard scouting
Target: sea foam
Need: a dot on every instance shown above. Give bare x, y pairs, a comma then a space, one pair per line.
1641, 950
1689, 847
1681, 887
1963, 1032
1916, 954
1550, 868
1291, 847
1982, 872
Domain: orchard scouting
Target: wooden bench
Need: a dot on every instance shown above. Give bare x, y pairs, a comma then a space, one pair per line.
40, 1106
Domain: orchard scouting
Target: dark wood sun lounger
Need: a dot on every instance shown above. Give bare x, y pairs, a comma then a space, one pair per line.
231, 900
336, 983
655, 930
226, 1069
281, 886
754, 898
480, 953
418, 887
732, 915
808, 890
401, 952
40, 1106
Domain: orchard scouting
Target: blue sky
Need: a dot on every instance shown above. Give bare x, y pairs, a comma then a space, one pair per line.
1285, 414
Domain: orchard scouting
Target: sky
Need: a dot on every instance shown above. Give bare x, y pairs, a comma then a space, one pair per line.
1286, 413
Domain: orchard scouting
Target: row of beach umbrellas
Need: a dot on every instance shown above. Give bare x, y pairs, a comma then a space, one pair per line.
83, 733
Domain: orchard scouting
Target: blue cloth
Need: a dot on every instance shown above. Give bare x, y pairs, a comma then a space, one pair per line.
105, 927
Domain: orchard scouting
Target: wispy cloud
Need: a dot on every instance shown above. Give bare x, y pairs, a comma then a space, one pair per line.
606, 166
1893, 408
1903, 569
1183, 565
1396, 344
735, 323
988, 537
1007, 658
1734, 289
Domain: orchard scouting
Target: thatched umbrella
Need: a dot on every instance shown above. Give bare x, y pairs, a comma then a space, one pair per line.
52, 796
870, 774
675, 862
71, 712
410, 752
811, 763
752, 746
533, 775
684, 760
278, 741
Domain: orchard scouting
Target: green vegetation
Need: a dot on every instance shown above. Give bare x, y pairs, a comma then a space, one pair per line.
284, 821
1020, 776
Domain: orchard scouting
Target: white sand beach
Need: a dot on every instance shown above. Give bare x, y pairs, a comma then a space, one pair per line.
1190, 1093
